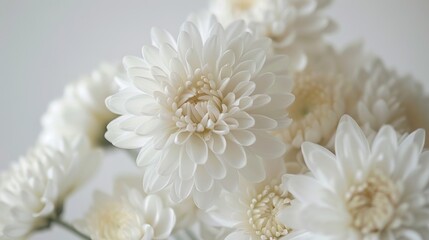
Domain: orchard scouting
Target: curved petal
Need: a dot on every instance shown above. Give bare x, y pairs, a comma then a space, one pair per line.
197, 149
234, 155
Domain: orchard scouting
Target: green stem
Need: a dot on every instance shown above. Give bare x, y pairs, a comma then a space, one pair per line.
69, 228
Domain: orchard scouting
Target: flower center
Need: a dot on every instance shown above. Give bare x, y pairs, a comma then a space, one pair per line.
263, 211
242, 5
116, 221
198, 104
320, 101
310, 94
372, 203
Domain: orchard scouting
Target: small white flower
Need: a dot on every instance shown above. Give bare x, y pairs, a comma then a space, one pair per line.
364, 192
252, 210
296, 27
201, 109
186, 212
128, 215
33, 190
82, 110
387, 98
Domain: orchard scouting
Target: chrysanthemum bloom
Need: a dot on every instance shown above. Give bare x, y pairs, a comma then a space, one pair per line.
128, 215
201, 108
33, 190
186, 212
82, 110
252, 210
295, 26
387, 98
362, 192
323, 93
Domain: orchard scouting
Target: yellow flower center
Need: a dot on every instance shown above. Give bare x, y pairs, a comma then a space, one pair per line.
310, 93
372, 203
263, 212
199, 104
242, 5
114, 220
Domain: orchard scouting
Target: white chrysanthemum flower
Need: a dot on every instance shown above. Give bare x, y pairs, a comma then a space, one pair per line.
252, 210
295, 26
364, 192
387, 98
186, 212
201, 109
33, 190
82, 109
128, 215
323, 93
319, 104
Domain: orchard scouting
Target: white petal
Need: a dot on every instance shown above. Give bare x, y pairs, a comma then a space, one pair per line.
197, 149
215, 167
126, 140
305, 189
267, 146
204, 200
184, 188
147, 155
182, 137
351, 146
264, 122
218, 145
149, 127
321, 162
167, 220
152, 206
238, 235
231, 180
203, 181
187, 167
245, 121
153, 182
234, 155
254, 170
161, 36
243, 137
169, 161
142, 105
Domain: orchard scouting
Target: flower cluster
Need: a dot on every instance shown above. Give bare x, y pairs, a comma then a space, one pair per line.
248, 124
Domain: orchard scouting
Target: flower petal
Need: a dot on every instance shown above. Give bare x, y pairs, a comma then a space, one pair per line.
234, 155
197, 149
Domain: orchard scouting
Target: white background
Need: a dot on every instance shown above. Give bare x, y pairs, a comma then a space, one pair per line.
45, 44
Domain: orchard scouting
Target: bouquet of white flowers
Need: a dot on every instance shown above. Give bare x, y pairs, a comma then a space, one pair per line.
247, 125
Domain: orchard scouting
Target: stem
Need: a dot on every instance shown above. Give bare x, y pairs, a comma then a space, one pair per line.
69, 228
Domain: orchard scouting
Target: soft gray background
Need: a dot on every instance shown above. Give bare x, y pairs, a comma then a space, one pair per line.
45, 44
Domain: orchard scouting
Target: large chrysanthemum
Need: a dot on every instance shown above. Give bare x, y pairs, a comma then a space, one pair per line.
82, 109
201, 108
128, 215
387, 98
295, 26
33, 190
364, 192
252, 210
